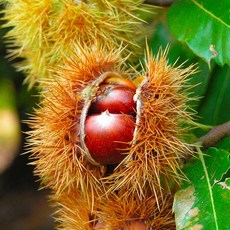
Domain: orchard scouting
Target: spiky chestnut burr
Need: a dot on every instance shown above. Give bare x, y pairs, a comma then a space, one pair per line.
42, 32
113, 212
73, 211
123, 213
152, 163
55, 142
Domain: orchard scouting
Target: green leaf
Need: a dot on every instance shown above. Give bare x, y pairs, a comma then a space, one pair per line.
179, 53
224, 144
214, 108
204, 25
203, 203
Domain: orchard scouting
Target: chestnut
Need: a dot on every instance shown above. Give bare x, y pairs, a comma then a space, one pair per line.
108, 119
115, 99
107, 136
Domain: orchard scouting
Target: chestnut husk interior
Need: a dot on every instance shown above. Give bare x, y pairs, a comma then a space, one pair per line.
89, 95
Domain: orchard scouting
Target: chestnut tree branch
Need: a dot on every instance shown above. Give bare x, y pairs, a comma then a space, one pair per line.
210, 139
215, 135
160, 2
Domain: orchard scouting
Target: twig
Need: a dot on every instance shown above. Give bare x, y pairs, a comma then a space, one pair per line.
210, 139
160, 2
215, 135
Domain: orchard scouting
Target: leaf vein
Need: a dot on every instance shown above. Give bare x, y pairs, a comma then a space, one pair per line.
210, 13
209, 186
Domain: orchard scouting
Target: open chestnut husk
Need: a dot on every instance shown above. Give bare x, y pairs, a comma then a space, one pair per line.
108, 119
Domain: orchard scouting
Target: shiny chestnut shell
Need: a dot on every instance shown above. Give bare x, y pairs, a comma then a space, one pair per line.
121, 144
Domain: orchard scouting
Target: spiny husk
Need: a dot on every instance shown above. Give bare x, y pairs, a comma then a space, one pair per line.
54, 141
154, 160
114, 212
118, 211
73, 211
44, 31
28, 22
152, 165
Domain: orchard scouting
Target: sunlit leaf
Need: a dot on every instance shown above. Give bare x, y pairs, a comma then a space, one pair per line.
203, 203
204, 25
